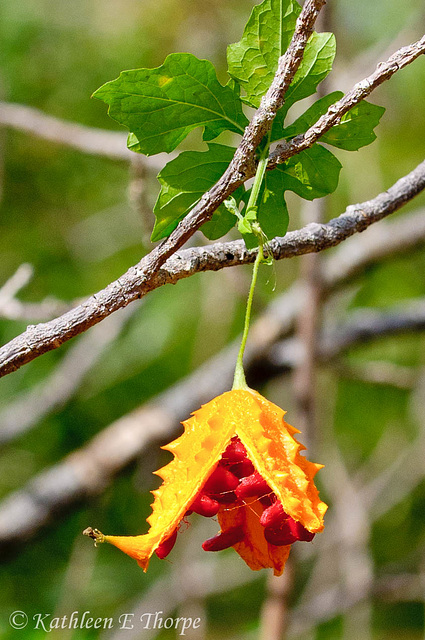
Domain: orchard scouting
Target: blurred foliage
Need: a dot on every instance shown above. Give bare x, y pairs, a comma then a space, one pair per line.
68, 214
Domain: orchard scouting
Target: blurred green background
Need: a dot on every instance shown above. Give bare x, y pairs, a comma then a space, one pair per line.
69, 215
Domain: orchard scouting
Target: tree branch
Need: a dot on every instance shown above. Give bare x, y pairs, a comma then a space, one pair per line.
111, 144
134, 284
332, 602
278, 321
359, 92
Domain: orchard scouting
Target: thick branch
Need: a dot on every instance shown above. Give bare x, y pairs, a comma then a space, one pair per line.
41, 338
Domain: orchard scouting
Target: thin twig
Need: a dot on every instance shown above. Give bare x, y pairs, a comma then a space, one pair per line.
384, 71
363, 326
111, 144
16, 282
39, 339
13, 309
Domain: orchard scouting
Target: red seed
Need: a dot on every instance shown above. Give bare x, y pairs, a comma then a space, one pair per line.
273, 516
205, 506
234, 452
220, 480
165, 547
243, 468
253, 485
281, 536
300, 532
224, 539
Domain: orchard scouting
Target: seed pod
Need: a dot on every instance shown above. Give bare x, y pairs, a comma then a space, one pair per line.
205, 506
220, 481
253, 485
224, 539
242, 469
280, 537
165, 547
274, 516
234, 452
300, 532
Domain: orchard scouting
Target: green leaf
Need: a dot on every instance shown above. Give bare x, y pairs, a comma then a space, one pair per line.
273, 214
220, 224
245, 218
313, 173
253, 61
161, 106
183, 182
355, 128
317, 61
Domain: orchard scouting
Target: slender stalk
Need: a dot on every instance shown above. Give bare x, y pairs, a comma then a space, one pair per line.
259, 175
239, 381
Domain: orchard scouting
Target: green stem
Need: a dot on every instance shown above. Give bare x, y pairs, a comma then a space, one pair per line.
239, 381
258, 180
